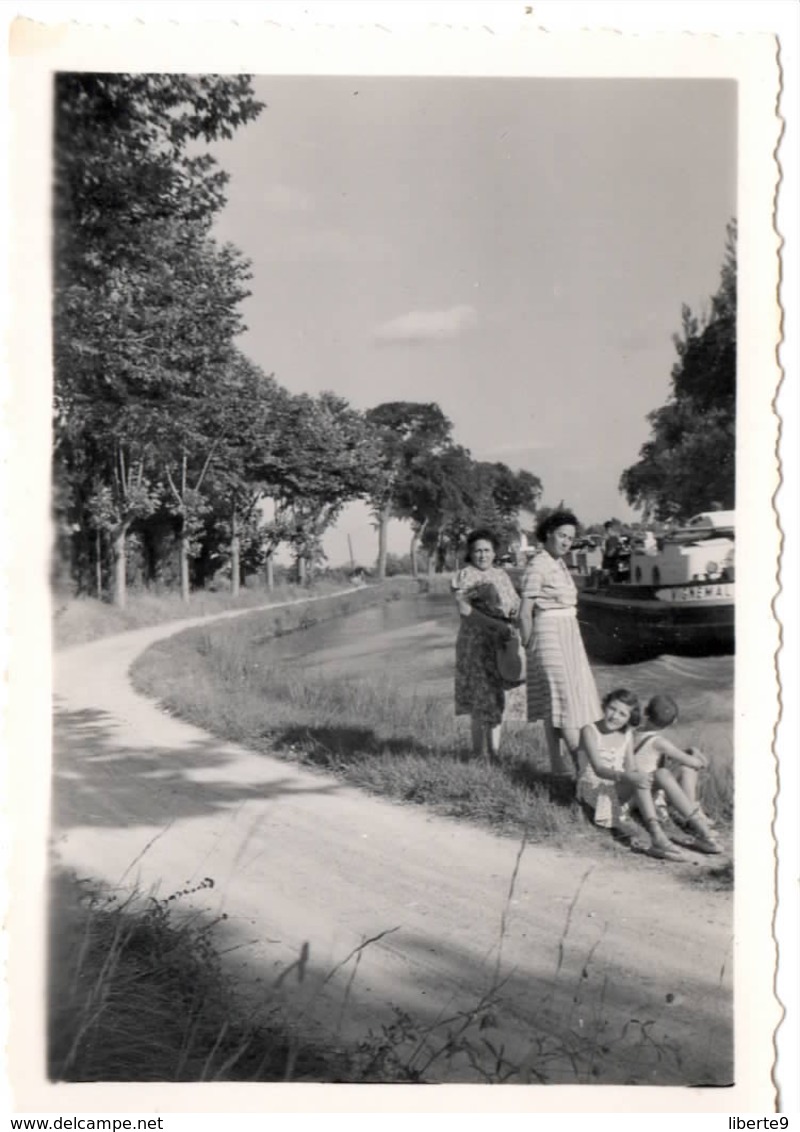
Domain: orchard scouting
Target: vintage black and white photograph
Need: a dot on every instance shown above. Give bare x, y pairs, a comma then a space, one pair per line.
394, 578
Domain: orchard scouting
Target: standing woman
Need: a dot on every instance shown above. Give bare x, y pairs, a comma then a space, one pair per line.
561, 687
480, 691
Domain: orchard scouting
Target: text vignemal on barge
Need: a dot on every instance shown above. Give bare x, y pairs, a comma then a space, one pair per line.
676, 596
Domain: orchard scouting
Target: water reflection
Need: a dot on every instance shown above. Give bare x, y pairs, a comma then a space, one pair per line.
415, 638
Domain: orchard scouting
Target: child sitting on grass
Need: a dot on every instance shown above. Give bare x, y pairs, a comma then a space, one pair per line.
654, 756
606, 748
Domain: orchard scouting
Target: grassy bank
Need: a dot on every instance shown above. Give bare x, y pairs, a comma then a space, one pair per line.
138, 992
77, 620
374, 732
377, 732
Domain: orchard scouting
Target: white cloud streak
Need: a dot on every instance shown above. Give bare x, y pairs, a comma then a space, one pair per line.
427, 326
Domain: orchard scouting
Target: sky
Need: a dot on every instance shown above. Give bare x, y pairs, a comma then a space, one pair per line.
517, 250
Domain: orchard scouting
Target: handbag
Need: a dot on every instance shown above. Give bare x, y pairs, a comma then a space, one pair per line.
511, 660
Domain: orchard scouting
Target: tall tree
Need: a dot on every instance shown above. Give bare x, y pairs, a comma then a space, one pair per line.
437, 497
327, 455
145, 303
408, 433
500, 494
688, 464
248, 462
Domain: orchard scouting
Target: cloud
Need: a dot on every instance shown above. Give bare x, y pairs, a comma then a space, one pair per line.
427, 326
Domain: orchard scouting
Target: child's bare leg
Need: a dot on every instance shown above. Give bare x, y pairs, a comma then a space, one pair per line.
676, 795
643, 801
685, 804
687, 778
493, 737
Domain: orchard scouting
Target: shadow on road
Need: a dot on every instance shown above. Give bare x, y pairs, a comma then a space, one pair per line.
321, 745
97, 781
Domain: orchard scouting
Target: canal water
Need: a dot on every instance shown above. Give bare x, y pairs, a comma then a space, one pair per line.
413, 640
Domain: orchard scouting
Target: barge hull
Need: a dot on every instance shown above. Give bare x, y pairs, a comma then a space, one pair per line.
629, 628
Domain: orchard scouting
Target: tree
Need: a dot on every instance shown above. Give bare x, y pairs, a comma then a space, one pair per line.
689, 462
326, 455
248, 464
407, 432
437, 497
500, 494
145, 303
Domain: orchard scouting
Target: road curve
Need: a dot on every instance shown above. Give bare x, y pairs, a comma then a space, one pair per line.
604, 971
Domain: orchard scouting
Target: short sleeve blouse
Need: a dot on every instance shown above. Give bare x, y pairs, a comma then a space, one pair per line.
469, 577
548, 583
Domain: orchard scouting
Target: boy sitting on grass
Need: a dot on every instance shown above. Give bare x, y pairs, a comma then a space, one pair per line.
654, 755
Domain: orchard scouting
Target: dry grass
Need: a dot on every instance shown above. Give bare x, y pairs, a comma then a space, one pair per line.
375, 732
385, 736
137, 992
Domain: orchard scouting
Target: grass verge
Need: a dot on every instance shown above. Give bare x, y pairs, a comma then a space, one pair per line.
376, 732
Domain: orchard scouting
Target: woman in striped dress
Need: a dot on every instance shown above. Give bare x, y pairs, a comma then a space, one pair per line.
561, 687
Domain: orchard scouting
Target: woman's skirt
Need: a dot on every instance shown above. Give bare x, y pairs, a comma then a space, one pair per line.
561, 687
479, 689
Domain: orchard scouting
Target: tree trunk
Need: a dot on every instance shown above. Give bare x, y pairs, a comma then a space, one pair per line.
118, 549
235, 567
383, 527
184, 559
441, 557
415, 540
270, 572
98, 564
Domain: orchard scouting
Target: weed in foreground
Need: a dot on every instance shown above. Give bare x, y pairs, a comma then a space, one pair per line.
138, 993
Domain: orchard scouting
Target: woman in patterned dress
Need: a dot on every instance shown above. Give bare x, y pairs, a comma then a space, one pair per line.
480, 691
561, 687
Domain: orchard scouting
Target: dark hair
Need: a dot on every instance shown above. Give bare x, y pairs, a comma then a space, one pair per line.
630, 699
661, 711
482, 534
556, 519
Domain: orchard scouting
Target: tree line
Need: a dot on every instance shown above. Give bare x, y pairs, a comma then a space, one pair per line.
689, 462
172, 450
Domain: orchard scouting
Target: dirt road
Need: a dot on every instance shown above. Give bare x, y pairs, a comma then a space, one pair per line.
607, 972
